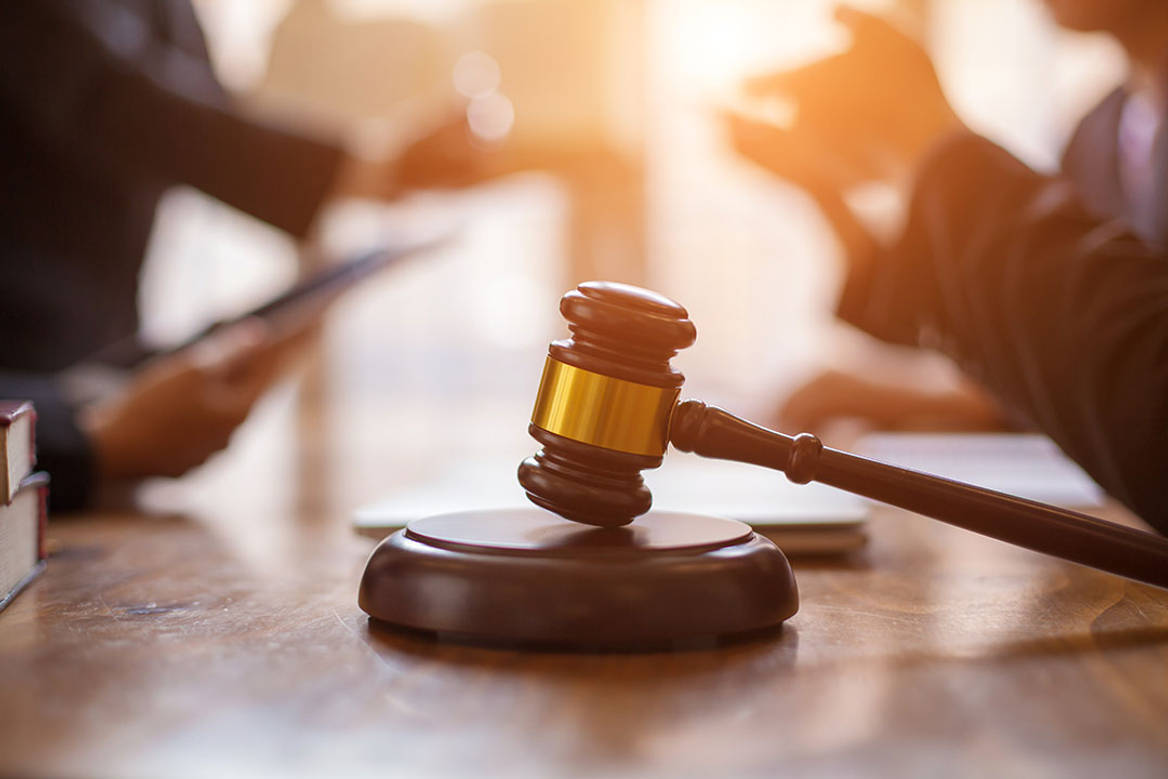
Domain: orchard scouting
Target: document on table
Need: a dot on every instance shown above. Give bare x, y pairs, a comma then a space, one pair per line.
1029, 466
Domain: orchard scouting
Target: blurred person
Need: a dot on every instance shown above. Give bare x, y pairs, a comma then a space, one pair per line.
105, 104
1051, 292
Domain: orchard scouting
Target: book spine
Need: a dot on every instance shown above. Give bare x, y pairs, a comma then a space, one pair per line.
42, 521
32, 438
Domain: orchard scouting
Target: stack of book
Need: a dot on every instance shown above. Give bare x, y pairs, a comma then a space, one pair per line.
23, 500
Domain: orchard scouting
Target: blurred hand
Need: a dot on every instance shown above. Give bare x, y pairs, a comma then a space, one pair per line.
807, 162
868, 113
448, 155
182, 408
835, 395
445, 156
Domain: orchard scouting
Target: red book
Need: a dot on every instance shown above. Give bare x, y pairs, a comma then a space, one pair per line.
22, 536
17, 445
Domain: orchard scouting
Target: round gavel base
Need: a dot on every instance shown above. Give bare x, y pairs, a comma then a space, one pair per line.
526, 576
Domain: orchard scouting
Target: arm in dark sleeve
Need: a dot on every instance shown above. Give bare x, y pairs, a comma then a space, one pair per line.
62, 448
92, 81
1063, 318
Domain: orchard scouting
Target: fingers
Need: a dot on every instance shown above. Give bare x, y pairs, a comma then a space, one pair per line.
797, 154
239, 363
859, 23
797, 82
269, 362
446, 156
772, 147
827, 72
807, 407
872, 37
795, 415
822, 170
229, 349
869, 28
832, 396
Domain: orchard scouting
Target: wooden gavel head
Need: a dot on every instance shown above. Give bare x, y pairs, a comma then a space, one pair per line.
604, 403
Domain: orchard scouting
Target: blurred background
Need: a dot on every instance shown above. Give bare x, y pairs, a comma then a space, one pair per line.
630, 179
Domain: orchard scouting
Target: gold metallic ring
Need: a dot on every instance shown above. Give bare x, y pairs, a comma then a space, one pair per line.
596, 409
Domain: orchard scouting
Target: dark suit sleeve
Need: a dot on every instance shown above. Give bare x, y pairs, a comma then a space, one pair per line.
96, 83
62, 448
1063, 317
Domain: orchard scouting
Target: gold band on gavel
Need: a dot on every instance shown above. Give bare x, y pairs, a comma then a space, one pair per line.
596, 409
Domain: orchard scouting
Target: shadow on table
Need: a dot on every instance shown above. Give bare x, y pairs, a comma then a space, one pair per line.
471, 649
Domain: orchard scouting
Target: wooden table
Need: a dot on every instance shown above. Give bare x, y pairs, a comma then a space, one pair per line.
229, 642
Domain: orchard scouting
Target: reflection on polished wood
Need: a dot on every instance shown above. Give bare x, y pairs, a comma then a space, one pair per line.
232, 643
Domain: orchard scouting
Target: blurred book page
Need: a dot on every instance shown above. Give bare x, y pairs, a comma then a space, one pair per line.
1029, 466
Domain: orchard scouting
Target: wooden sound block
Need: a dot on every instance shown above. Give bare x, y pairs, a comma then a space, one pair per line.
527, 576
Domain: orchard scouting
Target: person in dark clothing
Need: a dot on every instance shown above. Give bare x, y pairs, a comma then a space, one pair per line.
1050, 291
104, 105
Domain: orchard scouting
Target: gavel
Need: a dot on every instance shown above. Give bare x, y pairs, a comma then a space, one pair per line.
607, 408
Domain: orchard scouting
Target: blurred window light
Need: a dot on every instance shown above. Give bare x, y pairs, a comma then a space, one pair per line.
1017, 78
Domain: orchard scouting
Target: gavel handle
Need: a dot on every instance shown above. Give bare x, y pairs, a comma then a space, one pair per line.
712, 432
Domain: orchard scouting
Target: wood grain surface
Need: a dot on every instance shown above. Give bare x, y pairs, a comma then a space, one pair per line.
227, 641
